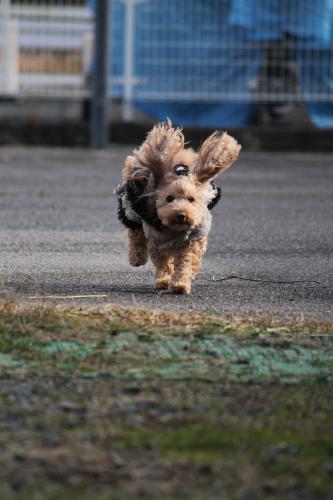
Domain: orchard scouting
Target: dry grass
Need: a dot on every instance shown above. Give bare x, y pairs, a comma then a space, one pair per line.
155, 320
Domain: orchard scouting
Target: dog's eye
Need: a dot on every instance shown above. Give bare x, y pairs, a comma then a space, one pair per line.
190, 199
169, 198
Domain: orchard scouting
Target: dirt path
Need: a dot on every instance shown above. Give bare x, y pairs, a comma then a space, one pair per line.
59, 234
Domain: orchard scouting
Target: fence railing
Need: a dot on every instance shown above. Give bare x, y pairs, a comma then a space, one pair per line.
46, 49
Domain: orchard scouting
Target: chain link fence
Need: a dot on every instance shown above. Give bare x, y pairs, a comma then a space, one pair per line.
202, 62
220, 52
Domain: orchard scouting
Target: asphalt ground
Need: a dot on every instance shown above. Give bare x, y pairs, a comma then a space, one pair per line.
59, 234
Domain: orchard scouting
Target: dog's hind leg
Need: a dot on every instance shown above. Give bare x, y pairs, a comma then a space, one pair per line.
163, 263
137, 247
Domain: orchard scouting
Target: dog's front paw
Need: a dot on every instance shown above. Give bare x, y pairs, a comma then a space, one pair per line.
138, 258
180, 288
162, 283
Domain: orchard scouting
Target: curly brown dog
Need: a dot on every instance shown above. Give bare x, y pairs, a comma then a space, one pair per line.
165, 202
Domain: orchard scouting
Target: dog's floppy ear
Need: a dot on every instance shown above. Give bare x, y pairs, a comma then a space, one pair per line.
217, 154
133, 170
162, 143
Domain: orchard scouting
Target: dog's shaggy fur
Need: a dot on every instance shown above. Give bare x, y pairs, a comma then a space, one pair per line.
165, 201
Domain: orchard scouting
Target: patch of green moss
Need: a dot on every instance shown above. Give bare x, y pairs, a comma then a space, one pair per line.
212, 356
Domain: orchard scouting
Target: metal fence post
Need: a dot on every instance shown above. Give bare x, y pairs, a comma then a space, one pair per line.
99, 121
129, 53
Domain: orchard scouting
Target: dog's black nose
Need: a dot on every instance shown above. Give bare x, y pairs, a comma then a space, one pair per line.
180, 217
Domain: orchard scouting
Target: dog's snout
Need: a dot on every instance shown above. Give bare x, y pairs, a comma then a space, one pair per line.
180, 217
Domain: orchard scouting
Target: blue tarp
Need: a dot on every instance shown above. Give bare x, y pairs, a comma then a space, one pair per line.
173, 56
309, 24
308, 20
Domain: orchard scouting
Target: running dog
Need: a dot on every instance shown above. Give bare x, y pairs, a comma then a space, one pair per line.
165, 201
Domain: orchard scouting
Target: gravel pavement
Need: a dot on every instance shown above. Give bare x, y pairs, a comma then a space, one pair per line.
59, 234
